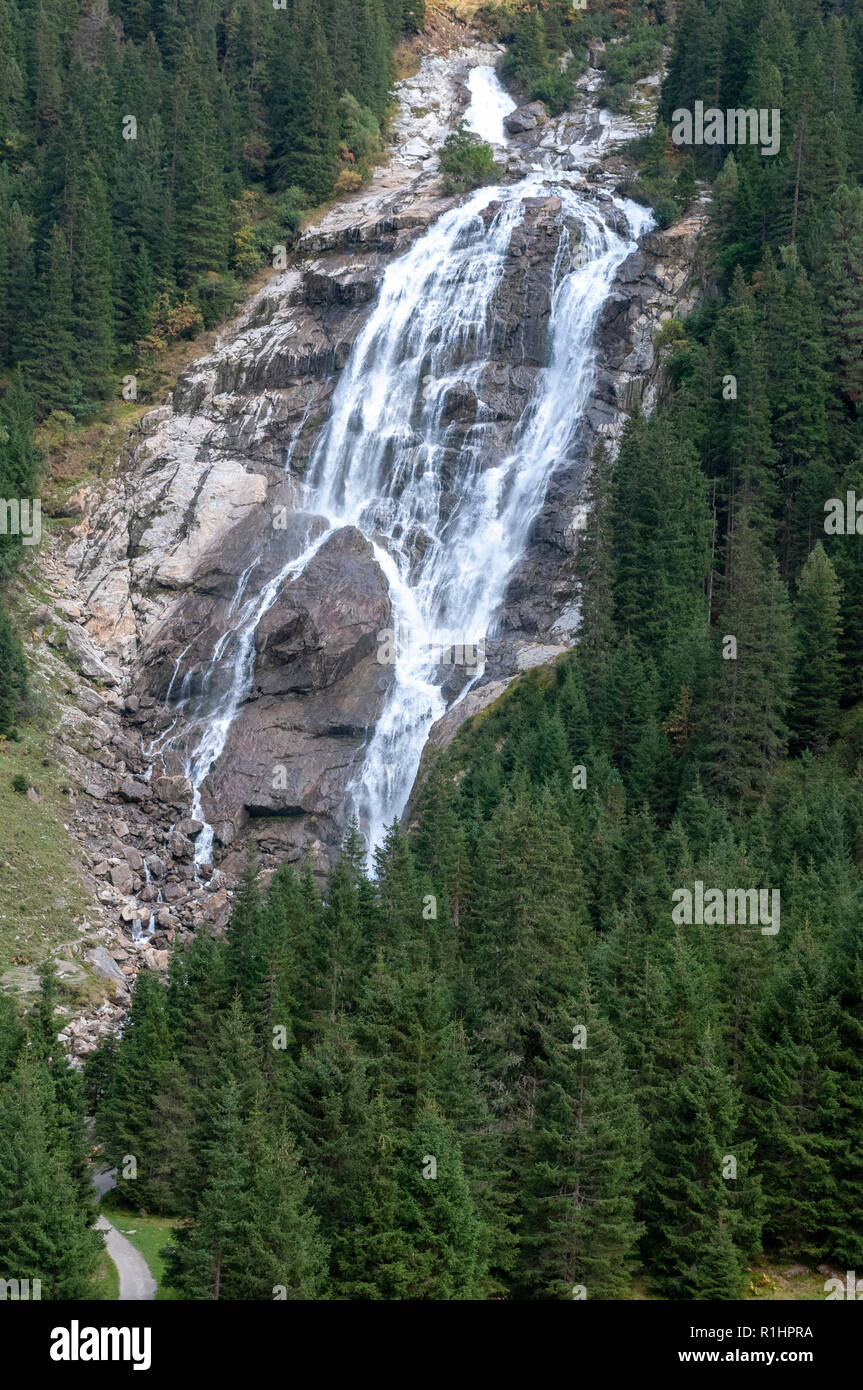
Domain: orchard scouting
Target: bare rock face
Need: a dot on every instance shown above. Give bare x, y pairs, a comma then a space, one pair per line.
523, 304
326, 621
317, 689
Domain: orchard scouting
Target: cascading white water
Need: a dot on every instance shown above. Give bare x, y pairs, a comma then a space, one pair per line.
447, 549
489, 104
447, 517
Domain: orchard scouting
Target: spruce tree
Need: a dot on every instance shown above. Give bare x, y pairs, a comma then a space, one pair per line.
303, 108
745, 719
437, 1213
585, 1161
814, 713
688, 1207
126, 1123
13, 674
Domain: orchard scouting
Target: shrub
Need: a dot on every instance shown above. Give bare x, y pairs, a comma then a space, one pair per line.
616, 97
666, 211
685, 186
359, 129
20, 783
215, 296
348, 181
466, 162
290, 209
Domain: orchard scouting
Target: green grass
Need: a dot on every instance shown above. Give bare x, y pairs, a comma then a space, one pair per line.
106, 1281
41, 895
148, 1234
767, 1284
764, 1283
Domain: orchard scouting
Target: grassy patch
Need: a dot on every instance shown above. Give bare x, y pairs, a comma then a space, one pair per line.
148, 1234
766, 1283
42, 897
106, 1280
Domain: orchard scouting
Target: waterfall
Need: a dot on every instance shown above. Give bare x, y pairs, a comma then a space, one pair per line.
489, 104
447, 548
447, 516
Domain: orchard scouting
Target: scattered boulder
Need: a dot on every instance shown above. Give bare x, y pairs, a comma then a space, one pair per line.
190, 828
179, 846
121, 877
135, 791
105, 966
155, 960
172, 791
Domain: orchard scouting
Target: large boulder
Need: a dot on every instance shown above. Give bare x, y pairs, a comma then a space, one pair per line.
325, 621
526, 118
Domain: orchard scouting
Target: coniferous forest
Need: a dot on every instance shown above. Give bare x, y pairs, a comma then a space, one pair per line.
497, 1066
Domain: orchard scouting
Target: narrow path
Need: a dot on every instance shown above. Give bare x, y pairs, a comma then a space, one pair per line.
136, 1281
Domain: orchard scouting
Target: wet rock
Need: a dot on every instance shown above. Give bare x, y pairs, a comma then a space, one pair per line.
526, 118
190, 828
326, 621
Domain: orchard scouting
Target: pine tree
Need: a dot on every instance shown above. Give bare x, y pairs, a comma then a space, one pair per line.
13, 674
303, 108
690, 1219
89, 232
585, 1162
814, 714
797, 388
126, 1123
207, 1259
595, 572
50, 352
285, 1255
842, 1213
45, 1229
791, 1099
437, 1213
745, 716
839, 282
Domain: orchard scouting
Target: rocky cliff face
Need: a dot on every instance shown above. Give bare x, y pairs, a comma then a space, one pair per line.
205, 510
